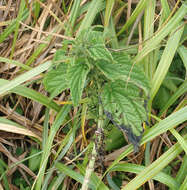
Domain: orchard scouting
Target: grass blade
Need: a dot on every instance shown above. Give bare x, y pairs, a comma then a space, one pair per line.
148, 32
33, 95
14, 62
12, 26
152, 170
108, 12
46, 152
10, 126
183, 54
24, 77
165, 61
184, 184
20, 13
90, 16
166, 10
162, 33
180, 139
161, 176
182, 171
76, 176
4, 178
73, 16
180, 91
139, 8
17, 130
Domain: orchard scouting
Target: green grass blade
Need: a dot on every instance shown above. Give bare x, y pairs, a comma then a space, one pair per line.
149, 14
90, 16
46, 152
180, 139
79, 177
139, 8
36, 9
168, 123
45, 128
181, 174
111, 34
183, 54
154, 42
184, 184
161, 176
149, 19
12, 26
32, 94
68, 171
165, 11
180, 91
4, 178
165, 61
7, 121
20, 13
73, 16
24, 77
13, 62
38, 50
67, 142
111, 183
57, 182
153, 169
165, 8
108, 12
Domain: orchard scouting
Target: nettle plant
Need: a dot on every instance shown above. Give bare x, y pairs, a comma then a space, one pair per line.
107, 78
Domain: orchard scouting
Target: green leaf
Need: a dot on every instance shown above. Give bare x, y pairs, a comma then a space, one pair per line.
91, 44
114, 139
34, 162
98, 52
123, 69
55, 81
77, 76
90, 37
60, 55
124, 107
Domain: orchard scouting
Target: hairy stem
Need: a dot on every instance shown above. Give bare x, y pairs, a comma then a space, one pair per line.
90, 167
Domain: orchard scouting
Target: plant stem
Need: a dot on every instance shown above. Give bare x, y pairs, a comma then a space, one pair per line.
90, 167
